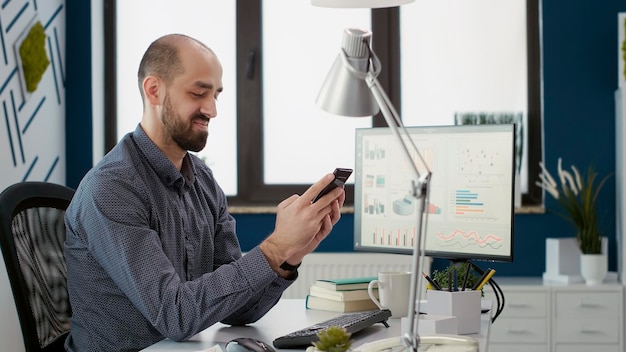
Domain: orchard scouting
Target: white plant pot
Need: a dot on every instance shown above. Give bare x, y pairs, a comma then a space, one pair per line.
593, 268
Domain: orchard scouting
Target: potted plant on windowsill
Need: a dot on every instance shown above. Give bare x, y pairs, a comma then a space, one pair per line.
578, 196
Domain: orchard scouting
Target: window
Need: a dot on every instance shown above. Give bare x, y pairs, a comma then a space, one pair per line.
274, 65
132, 41
473, 68
297, 135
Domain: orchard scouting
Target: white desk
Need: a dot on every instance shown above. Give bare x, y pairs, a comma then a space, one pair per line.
287, 316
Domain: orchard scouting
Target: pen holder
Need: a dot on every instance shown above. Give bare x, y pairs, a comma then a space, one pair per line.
464, 305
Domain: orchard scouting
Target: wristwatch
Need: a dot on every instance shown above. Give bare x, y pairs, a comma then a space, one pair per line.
288, 267
292, 269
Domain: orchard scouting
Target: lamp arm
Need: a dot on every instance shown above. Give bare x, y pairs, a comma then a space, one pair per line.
410, 338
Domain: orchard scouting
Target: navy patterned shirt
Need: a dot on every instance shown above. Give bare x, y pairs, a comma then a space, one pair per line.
152, 253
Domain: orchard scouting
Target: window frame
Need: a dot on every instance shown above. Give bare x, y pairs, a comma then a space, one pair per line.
252, 191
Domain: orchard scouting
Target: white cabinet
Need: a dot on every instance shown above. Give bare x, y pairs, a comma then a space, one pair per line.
524, 324
556, 317
589, 316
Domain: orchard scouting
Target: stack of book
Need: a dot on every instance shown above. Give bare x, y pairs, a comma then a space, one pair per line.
341, 295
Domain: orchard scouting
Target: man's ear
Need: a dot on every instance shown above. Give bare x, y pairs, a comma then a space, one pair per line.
151, 85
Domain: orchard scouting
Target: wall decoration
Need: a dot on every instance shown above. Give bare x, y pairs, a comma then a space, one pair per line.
32, 140
32, 58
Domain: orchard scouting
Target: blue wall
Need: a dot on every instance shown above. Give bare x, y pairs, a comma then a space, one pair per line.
580, 77
78, 127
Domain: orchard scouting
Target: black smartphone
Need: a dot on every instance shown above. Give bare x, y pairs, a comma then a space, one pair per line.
341, 175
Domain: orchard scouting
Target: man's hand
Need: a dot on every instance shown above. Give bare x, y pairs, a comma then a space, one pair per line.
302, 225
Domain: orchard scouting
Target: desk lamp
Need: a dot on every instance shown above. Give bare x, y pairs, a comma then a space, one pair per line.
352, 89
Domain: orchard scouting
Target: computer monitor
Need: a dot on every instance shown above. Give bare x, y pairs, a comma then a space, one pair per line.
470, 208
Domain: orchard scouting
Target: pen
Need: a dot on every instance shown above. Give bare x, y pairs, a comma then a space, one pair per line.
437, 283
482, 277
486, 279
432, 282
467, 273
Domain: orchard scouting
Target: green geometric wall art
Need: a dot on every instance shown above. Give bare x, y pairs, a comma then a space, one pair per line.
34, 57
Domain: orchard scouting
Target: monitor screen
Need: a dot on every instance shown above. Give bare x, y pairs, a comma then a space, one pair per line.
470, 206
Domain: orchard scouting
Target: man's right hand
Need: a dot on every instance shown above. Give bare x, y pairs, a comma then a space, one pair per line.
301, 225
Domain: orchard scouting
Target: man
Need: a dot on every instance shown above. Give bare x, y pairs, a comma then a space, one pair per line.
151, 249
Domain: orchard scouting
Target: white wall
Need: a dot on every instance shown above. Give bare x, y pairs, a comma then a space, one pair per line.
32, 125
97, 78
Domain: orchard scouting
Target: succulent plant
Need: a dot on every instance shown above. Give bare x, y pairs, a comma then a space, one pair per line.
333, 339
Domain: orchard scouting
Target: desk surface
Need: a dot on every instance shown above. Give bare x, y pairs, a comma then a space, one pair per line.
287, 316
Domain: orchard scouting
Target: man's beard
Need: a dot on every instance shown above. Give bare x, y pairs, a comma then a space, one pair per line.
182, 133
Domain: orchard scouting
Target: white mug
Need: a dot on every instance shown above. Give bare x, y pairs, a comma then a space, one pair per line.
393, 291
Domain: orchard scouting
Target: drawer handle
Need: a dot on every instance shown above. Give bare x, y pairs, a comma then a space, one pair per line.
588, 330
517, 330
584, 304
518, 305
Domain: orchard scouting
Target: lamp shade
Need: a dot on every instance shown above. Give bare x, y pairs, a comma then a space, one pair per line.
359, 3
345, 91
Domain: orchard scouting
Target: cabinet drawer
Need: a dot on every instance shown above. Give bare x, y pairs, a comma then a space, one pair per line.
518, 304
502, 347
584, 348
527, 330
587, 304
587, 330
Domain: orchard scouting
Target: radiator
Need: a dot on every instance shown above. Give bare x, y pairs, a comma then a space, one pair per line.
342, 265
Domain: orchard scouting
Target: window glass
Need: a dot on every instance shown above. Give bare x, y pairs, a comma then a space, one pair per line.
213, 23
302, 142
465, 58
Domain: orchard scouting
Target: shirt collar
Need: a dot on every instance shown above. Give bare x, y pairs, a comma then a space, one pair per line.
163, 167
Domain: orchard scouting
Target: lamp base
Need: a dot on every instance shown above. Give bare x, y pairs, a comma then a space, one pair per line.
432, 343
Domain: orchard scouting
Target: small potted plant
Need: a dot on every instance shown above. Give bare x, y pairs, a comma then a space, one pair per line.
332, 339
442, 277
578, 196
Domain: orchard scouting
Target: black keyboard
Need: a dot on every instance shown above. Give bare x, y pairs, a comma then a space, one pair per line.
352, 322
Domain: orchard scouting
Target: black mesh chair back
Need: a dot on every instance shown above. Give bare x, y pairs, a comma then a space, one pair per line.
32, 233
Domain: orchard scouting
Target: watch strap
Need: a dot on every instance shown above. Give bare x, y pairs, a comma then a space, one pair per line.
288, 267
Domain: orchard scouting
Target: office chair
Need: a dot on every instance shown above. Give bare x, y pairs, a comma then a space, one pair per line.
32, 233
